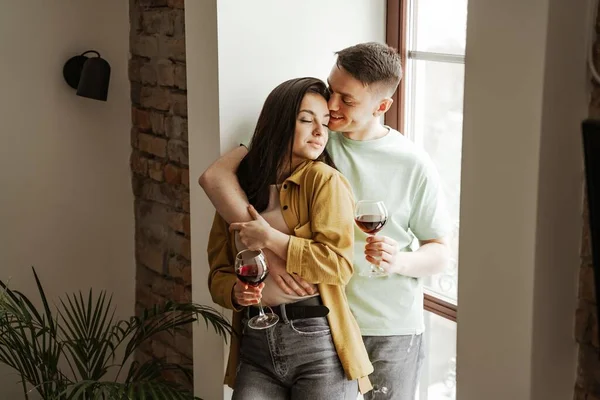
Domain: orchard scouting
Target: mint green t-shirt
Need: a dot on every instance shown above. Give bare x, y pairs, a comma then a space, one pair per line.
392, 169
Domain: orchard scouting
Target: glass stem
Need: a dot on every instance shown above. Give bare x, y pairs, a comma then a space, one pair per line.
376, 268
261, 311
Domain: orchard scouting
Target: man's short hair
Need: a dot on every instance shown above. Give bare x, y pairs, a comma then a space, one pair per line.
372, 63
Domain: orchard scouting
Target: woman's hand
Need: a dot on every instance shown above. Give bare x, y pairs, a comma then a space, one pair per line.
246, 295
254, 234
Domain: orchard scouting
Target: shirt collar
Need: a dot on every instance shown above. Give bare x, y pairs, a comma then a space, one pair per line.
298, 172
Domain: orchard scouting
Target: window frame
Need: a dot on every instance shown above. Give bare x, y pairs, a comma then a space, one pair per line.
397, 36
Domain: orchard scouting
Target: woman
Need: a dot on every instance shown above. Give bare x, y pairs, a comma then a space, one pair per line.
302, 211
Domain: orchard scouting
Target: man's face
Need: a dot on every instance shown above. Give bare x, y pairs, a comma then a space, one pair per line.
352, 106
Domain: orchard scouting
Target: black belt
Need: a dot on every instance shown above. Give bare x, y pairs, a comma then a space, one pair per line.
310, 308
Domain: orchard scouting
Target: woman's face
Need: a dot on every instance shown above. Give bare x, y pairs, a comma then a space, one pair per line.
311, 129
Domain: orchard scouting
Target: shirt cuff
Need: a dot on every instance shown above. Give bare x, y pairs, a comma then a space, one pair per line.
295, 255
229, 303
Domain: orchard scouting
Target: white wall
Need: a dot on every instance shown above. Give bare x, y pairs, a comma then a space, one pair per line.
263, 43
525, 96
66, 203
260, 44
203, 128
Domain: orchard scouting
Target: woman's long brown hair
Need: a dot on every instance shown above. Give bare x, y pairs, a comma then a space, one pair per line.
271, 145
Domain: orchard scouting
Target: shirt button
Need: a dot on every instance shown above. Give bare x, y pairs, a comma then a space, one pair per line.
285, 207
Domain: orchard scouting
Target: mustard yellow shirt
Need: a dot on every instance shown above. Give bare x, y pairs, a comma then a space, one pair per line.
317, 206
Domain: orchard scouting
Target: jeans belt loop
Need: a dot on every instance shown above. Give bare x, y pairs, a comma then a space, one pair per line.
283, 313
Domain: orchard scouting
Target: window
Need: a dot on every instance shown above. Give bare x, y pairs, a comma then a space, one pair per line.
431, 37
438, 376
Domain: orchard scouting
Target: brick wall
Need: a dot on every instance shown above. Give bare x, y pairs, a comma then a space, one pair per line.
586, 324
159, 164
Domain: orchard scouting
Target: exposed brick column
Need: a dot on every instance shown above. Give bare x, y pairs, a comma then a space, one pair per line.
159, 164
586, 324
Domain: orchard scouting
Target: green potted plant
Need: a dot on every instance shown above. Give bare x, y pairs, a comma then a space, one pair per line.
80, 351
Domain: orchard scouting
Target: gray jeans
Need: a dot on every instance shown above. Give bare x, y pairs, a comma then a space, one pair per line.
293, 360
397, 361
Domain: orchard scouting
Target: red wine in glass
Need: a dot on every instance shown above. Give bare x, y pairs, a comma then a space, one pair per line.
251, 268
251, 274
371, 216
371, 224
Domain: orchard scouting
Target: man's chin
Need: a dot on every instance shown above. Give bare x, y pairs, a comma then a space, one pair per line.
337, 125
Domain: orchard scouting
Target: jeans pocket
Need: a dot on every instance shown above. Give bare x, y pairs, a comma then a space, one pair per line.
311, 326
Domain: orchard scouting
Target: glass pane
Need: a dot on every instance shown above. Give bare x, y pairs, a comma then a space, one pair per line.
438, 377
435, 123
441, 26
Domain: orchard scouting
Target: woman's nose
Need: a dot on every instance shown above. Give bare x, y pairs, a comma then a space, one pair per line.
319, 129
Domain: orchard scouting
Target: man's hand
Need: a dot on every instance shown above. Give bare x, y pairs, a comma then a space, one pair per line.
246, 295
431, 258
254, 234
292, 285
383, 251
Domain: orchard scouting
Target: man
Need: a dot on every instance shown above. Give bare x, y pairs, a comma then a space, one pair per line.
381, 164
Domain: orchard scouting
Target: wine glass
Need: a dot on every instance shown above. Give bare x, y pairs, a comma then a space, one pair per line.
371, 216
251, 268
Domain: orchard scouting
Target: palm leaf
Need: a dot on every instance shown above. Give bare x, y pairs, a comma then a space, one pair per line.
120, 391
87, 329
172, 317
28, 343
84, 336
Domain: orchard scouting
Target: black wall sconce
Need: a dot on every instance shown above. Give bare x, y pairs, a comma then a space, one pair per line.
89, 75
